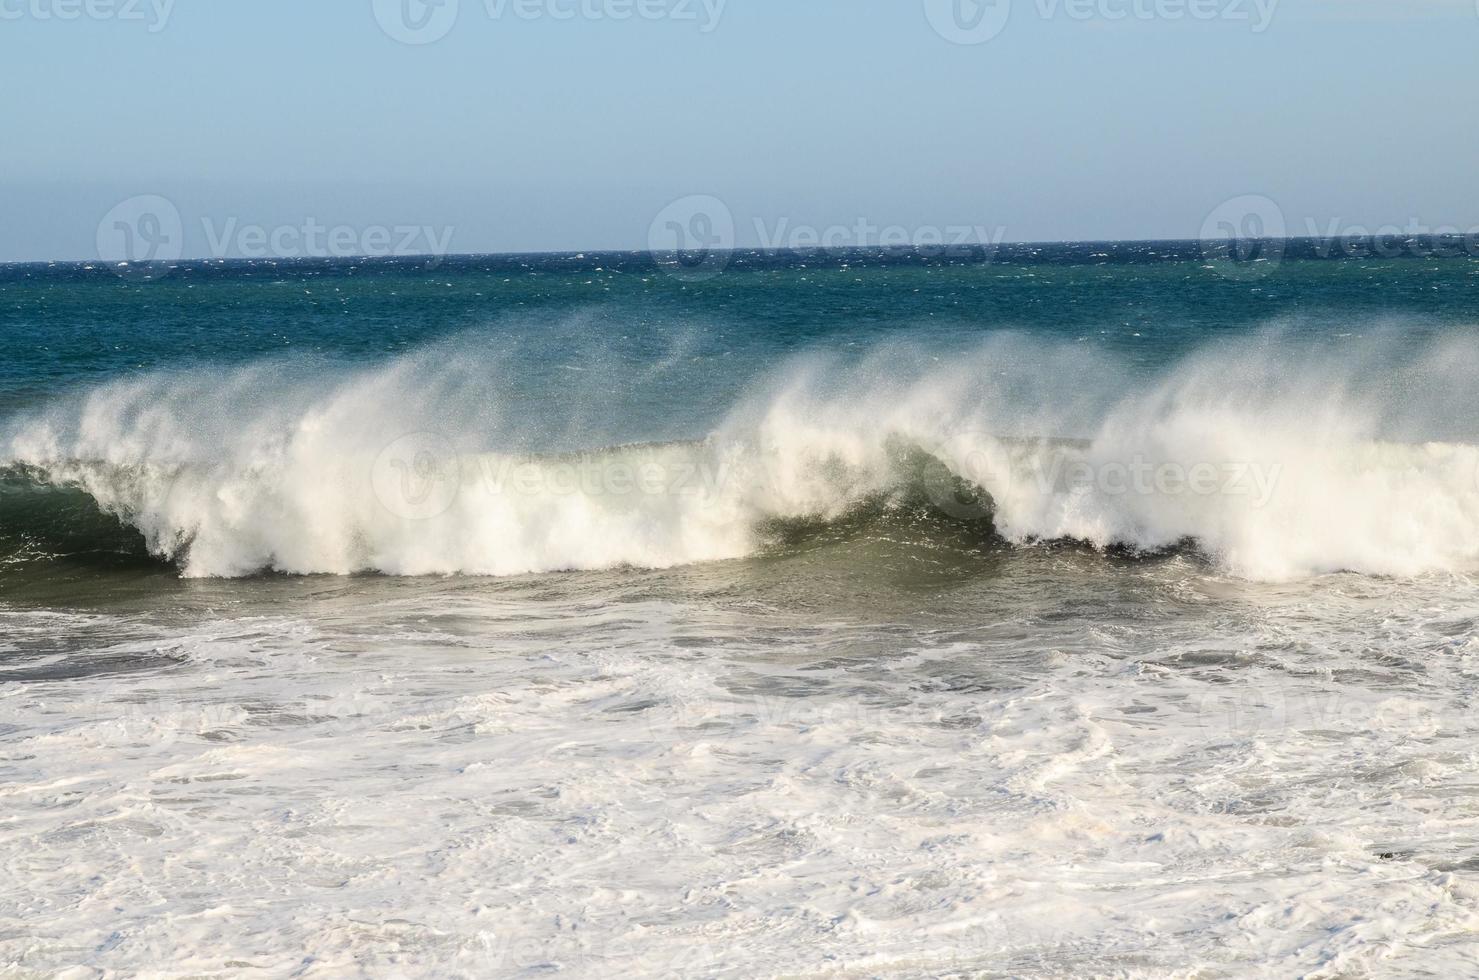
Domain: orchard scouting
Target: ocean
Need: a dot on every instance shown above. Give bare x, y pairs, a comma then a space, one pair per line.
1098, 609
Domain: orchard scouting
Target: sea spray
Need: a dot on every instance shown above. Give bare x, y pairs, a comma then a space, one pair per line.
1277, 460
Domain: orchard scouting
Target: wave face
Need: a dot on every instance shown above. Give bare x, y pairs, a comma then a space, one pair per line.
1275, 459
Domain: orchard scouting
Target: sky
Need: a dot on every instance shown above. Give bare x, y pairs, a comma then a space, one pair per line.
243, 127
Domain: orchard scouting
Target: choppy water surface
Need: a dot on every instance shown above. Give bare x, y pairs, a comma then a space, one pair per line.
852, 618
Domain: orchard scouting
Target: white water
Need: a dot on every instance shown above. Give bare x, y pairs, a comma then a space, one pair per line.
1278, 462
873, 754
398, 779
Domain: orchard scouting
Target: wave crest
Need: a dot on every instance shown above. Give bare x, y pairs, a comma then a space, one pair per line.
1277, 461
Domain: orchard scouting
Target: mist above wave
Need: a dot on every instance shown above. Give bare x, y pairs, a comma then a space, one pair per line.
1276, 458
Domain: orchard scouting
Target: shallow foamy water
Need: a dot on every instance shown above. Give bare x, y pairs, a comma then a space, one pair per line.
1074, 611
757, 768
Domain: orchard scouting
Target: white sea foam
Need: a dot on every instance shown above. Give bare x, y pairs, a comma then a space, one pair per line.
1279, 461
531, 779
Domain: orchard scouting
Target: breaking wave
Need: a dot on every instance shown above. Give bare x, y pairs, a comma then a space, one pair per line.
1276, 460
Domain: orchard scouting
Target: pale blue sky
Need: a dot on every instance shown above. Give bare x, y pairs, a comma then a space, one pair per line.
537, 133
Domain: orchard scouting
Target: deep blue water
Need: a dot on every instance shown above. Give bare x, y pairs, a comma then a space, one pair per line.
72, 324
205, 388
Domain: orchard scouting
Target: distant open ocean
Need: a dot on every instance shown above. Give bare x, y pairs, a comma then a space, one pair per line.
1064, 610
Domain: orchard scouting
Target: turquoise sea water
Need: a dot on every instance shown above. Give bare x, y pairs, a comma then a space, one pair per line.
76, 323
580, 352
1100, 608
